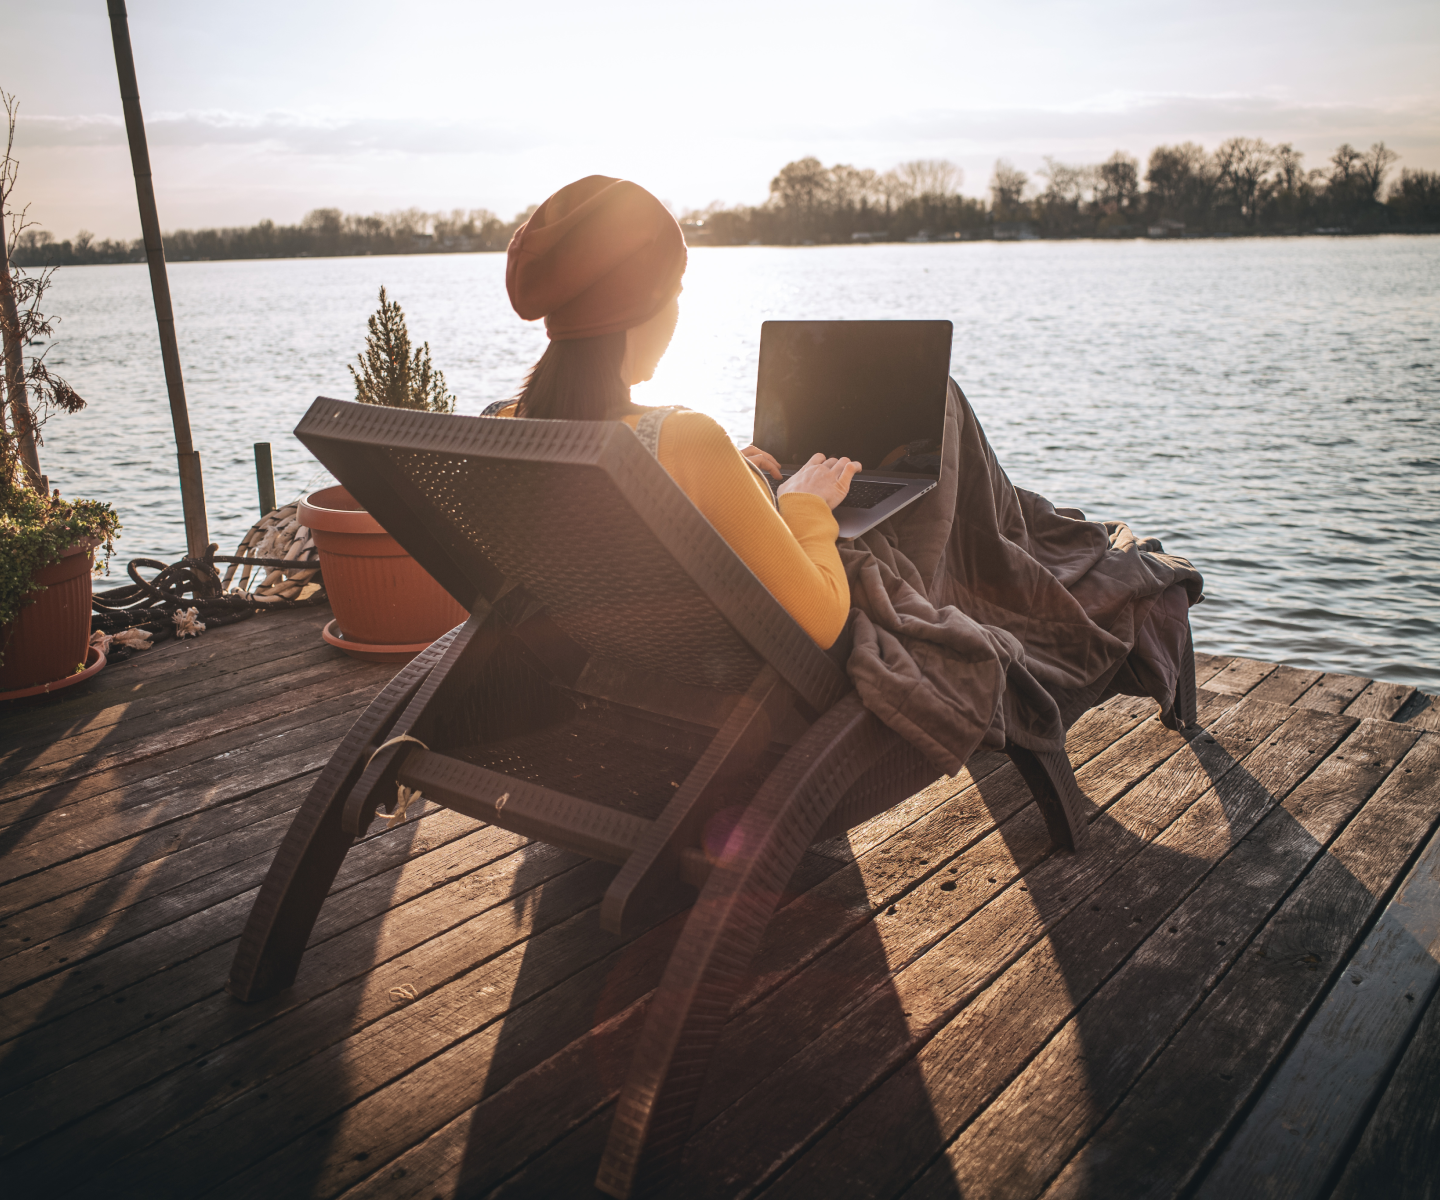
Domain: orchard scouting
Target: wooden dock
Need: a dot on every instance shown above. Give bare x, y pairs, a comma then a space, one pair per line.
1229, 993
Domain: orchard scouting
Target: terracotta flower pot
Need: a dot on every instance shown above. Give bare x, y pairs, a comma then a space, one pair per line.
385, 605
50, 636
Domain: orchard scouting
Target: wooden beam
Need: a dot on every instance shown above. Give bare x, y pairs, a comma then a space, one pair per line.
1300, 1130
192, 486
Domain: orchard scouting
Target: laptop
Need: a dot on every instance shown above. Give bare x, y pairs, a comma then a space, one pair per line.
873, 391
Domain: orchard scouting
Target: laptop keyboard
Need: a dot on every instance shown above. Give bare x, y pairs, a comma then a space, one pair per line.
863, 493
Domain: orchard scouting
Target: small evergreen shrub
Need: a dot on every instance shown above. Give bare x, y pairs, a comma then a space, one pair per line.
390, 374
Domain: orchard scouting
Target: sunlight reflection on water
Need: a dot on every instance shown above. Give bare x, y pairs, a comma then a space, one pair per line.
1270, 409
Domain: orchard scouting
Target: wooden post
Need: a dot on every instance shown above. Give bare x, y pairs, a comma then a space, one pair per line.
265, 478
192, 487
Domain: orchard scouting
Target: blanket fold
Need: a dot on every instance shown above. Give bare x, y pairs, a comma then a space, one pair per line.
985, 613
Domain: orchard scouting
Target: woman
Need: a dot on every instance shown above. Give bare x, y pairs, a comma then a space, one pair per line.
601, 260
985, 613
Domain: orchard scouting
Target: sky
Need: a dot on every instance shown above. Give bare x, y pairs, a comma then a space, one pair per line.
271, 109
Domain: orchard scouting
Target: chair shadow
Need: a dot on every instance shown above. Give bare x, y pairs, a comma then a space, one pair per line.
620, 973
78, 1007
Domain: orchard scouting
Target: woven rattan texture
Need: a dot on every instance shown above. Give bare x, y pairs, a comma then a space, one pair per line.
569, 536
348, 437
583, 758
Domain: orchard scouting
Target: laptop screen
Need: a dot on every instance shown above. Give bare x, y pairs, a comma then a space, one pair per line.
867, 390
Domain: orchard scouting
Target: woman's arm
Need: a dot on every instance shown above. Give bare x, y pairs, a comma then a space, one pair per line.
792, 550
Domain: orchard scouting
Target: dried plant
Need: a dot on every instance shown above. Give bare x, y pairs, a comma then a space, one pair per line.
33, 392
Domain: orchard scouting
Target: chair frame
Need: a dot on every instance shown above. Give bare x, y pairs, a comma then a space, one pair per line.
833, 764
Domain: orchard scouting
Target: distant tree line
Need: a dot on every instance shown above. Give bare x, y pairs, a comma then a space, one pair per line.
323, 233
1245, 186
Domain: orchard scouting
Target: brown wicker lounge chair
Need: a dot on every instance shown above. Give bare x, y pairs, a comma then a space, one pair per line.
612, 627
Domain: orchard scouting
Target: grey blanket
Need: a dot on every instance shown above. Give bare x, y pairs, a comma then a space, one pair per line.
985, 612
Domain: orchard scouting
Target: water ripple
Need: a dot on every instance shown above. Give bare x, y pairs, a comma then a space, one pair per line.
1268, 408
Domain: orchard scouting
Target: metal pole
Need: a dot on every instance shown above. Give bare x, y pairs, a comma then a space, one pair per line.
192, 487
265, 478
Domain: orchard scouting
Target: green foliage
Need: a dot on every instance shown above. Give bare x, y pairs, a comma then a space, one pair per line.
34, 529
390, 374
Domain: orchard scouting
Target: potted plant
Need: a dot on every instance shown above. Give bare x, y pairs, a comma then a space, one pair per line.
387, 608
47, 544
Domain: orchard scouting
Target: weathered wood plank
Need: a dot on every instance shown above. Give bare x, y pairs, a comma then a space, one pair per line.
1426, 717
1216, 1061
148, 847
224, 712
1298, 1131
1380, 701
1091, 734
552, 1021
116, 815
117, 692
98, 918
972, 1056
137, 699
812, 1079
800, 933
142, 710
185, 1110
846, 846
759, 1039
1397, 1156
175, 974
1239, 676
1333, 692
1285, 685
1208, 665
30, 816
318, 1032
1033, 1126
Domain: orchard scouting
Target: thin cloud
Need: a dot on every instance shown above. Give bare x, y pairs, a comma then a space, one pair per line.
1414, 119
277, 131
1161, 117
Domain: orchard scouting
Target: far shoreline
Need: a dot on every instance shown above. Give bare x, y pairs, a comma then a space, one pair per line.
934, 241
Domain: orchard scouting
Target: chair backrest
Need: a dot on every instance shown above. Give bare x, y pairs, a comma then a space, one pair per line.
587, 521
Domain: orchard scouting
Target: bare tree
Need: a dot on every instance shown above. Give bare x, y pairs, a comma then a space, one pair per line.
1371, 169
801, 191
1242, 164
1117, 181
938, 178
1007, 186
1344, 164
855, 187
1066, 184
1289, 174
32, 391
1180, 177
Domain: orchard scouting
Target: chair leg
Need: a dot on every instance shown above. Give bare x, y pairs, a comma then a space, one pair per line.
692, 1003
315, 845
464, 653
1051, 779
650, 878
1184, 712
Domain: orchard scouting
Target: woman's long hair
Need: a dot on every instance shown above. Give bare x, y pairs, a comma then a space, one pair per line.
578, 380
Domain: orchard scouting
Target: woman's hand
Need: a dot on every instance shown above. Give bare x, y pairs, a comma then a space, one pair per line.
766, 462
828, 478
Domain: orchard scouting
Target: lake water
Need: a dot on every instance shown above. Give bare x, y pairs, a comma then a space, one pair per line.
1269, 409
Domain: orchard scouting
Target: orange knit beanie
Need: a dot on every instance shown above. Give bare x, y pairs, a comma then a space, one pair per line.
599, 256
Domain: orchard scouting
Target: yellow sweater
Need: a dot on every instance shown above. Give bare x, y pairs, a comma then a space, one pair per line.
792, 551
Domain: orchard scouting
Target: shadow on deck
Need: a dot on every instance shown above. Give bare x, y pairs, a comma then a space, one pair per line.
1229, 993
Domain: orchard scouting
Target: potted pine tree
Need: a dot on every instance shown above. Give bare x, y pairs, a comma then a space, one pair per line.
387, 608
47, 544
